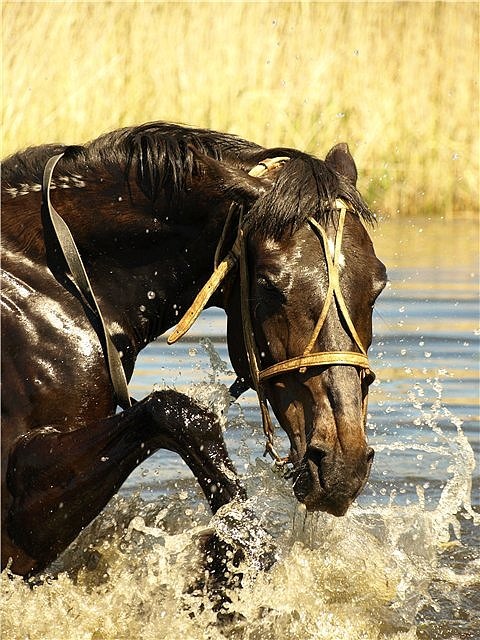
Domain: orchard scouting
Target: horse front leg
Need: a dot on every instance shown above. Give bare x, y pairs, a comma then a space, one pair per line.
198, 439
59, 481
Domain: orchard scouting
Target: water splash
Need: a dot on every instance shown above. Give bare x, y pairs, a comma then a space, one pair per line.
211, 393
379, 572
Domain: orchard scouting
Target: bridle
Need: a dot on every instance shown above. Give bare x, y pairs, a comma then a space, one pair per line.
309, 357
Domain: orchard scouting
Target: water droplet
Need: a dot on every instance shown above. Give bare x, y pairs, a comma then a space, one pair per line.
142, 308
192, 352
428, 354
340, 114
151, 295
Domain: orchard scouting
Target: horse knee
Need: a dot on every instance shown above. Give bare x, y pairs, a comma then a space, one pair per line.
182, 417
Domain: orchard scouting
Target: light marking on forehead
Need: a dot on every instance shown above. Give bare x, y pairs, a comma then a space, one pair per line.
271, 245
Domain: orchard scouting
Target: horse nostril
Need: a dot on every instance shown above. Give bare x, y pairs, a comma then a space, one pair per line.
370, 455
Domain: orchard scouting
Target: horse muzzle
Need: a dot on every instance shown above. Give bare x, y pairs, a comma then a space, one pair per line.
329, 481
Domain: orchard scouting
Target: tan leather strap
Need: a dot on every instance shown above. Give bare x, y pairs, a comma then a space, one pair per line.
204, 295
334, 289
81, 282
332, 280
252, 352
209, 288
267, 165
221, 269
321, 359
334, 277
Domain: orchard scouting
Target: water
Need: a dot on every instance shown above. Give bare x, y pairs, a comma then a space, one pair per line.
404, 563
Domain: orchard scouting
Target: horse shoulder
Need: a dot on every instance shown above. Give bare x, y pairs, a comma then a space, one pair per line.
50, 352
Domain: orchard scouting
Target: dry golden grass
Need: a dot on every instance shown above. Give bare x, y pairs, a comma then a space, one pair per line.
398, 81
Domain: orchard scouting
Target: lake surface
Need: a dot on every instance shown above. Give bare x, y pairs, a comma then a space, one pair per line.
404, 562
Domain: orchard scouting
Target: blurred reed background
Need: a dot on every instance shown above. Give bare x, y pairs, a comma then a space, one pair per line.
398, 81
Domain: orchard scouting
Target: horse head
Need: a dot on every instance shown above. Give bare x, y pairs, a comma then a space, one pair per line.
105, 246
299, 331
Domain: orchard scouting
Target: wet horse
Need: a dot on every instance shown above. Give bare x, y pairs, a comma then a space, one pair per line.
107, 246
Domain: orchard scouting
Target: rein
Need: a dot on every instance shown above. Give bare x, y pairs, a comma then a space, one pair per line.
54, 223
309, 358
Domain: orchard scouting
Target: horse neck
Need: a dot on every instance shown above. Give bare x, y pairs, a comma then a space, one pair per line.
145, 266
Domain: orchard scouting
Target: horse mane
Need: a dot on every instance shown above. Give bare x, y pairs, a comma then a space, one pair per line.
159, 156
306, 186
158, 152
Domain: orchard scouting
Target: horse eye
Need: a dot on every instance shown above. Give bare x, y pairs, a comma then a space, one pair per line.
269, 287
265, 282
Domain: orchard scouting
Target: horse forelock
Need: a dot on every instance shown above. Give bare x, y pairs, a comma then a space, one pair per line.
305, 187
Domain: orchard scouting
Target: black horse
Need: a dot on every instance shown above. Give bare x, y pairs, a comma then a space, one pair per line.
154, 211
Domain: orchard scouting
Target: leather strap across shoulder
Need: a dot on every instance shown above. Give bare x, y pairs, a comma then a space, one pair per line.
81, 282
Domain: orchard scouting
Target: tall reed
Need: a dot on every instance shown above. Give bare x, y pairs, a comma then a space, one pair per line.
398, 81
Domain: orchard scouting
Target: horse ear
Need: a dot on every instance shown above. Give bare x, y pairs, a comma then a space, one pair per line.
340, 159
232, 182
